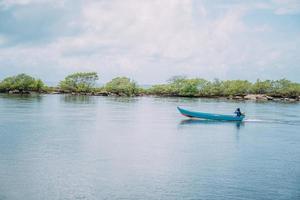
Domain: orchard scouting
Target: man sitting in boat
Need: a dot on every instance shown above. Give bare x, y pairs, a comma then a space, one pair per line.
238, 112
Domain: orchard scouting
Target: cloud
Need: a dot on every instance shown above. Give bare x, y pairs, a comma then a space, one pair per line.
35, 21
282, 7
148, 40
10, 3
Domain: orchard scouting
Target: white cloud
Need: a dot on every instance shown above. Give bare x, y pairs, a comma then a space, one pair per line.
151, 40
282, 7
134, 31
9, 3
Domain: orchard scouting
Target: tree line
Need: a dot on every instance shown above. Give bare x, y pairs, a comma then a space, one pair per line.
181, 86
197, 87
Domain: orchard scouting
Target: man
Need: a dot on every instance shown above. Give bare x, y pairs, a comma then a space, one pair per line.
238, 112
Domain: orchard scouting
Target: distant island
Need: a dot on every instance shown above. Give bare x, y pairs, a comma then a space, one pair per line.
84, 83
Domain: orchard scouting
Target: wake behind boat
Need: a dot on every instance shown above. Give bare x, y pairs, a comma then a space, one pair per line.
210, 116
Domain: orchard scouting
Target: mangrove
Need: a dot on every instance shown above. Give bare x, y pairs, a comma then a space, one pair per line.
22, 83
81, 82
85, 83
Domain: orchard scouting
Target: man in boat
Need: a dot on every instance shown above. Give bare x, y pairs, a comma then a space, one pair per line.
238, 112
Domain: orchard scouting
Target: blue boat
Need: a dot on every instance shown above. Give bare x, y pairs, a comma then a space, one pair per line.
201, 115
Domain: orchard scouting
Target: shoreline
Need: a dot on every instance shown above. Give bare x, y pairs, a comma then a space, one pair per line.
84, 83
249, 97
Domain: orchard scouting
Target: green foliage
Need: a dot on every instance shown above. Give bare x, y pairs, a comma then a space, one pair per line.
262, 87
236, 87
79, 82
280, 88
122, 86
142, 91
84, 82
181, 86
195, 87
39, 85
285, 88
21, 82
162, 90
213, 89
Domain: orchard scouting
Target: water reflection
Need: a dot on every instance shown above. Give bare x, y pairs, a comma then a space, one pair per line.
210, 122
177, 100
78, 99
22, 97
123, 99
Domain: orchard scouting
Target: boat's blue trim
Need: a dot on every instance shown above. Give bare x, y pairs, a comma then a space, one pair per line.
210, 116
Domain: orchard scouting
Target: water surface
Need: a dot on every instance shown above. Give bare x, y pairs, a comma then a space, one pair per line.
78, 147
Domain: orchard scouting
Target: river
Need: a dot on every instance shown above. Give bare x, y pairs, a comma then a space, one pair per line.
80, 147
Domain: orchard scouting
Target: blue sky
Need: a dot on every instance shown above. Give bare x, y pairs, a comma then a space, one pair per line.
151, 40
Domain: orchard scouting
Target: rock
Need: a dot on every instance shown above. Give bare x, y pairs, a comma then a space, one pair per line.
237, 98
269, 98
258, 97
276, 99
56, 92
101, 94
18, 92
290, 99
112, 94
250, 97
14, 92
122, 94
261, 97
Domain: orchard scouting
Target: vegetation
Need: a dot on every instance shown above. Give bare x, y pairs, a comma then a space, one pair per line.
262, 87
79, 82
179, 86
182, 86
122, 86
85, 83
284, 88
21, 83
236, 87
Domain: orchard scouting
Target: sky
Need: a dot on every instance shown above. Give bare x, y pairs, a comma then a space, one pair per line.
151, 40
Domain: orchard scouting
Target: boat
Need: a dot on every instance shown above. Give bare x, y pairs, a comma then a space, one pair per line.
210, 116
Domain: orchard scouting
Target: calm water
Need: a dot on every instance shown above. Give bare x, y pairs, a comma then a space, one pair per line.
67, 147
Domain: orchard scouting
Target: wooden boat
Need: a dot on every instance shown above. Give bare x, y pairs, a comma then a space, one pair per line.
201, 115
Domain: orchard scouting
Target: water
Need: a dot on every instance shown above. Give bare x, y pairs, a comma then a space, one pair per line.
69, 147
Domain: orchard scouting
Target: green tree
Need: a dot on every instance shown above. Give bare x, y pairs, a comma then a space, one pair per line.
79, 82
182, 86
21, 82
122, 86
215, 88
235, 87
262, 87
161, 89
39, 85
285, 88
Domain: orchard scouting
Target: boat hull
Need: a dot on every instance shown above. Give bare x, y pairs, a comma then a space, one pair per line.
201, 115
